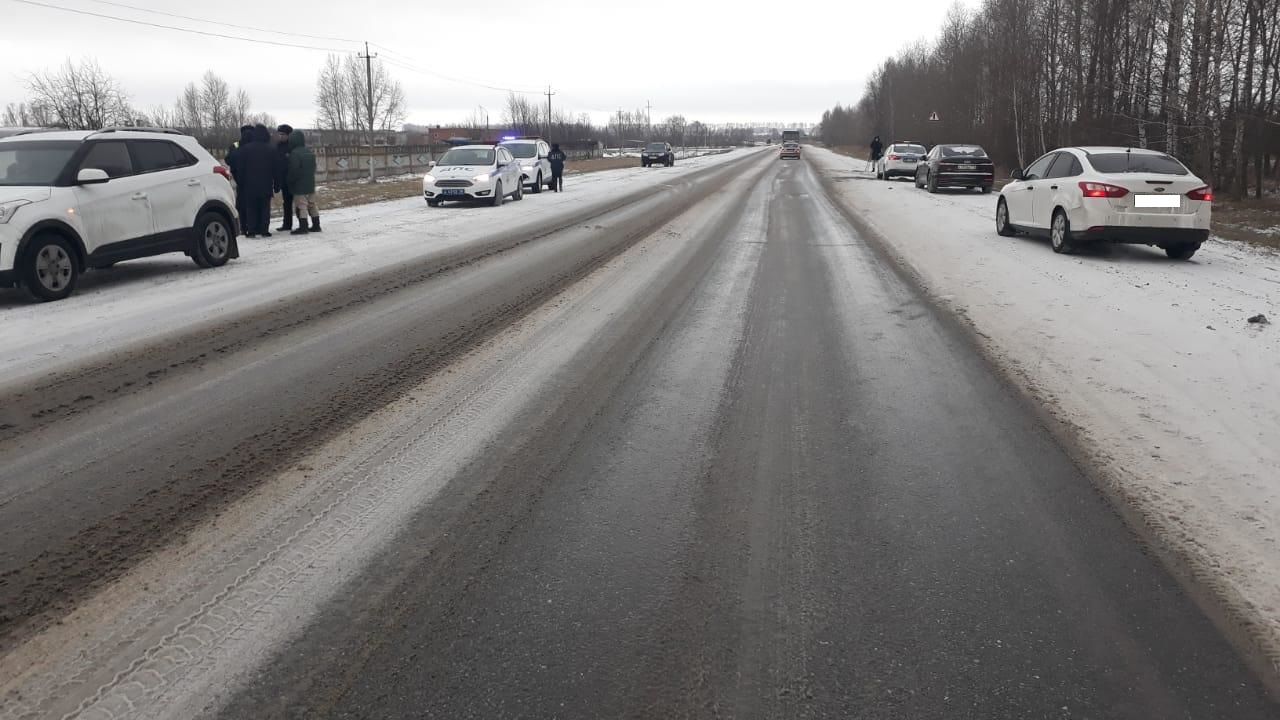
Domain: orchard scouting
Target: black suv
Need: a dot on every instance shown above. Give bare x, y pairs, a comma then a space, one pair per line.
658, 153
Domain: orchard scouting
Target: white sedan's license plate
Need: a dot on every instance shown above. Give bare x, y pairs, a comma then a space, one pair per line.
453, 191
968, 167
909, 160
1157, 201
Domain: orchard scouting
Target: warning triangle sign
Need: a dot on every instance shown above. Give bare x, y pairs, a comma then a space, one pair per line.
934, 117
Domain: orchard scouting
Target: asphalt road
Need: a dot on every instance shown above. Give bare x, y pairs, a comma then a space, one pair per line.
726, 463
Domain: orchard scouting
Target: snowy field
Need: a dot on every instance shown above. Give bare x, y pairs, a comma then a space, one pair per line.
1150, 362
143, 299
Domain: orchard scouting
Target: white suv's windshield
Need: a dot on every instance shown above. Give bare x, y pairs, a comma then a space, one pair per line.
523, 151
467, 156
34, 163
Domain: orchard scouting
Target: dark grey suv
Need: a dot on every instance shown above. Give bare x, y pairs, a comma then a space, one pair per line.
658, 153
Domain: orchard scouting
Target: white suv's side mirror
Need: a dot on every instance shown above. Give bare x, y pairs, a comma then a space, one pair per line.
431, 164
91, 176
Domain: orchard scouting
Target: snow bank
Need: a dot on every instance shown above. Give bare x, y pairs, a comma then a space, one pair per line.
1151, 362
143, 299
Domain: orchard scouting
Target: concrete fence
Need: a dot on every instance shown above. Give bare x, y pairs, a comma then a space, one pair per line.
351, 162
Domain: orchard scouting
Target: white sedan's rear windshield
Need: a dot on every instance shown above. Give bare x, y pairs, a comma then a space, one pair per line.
468, 156
1122, 162
910, 149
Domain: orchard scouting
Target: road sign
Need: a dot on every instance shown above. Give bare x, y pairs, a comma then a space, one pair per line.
933, 117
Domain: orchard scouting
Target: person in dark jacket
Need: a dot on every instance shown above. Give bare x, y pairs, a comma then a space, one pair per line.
282, 181
233, 164
301, 181
877, 148
257, 162
557, 158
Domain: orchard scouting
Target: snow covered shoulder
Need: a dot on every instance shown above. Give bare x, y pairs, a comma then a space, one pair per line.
1154, 366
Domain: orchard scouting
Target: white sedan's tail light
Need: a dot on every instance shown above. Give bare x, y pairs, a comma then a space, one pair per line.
1102, 190
1205, 194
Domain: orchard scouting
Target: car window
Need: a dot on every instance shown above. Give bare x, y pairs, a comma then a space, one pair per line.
909, 149
1123, 162
111, 156
468, 156
1040, 168
504, 156
34, 164
1063, 166
154, 155
972, 151
522, 150
657, 147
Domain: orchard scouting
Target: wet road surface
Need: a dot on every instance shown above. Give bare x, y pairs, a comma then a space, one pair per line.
731, 466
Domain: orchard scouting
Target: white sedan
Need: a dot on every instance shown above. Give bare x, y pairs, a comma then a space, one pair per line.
1110, 194
900, 159
473, 172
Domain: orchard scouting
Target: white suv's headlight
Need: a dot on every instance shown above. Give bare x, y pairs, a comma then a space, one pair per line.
7, 209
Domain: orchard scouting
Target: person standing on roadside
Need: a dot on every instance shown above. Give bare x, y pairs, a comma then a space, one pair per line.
301, 181
233, 164
557, 159
282, 178
877, 149
257, 161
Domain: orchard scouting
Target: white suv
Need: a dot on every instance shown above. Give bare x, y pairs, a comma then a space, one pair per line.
74, 200
535, 168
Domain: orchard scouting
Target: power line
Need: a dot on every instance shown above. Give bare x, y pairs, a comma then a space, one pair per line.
179, 29
224, 24
413, 68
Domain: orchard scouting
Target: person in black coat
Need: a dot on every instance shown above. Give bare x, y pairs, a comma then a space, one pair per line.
233, 163
258, 162
282, 170
557, 158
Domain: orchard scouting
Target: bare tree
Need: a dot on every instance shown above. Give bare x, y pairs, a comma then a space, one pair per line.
80, 97
345, 103
522, 115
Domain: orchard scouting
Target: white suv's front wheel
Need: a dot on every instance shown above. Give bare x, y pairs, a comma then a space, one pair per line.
213, 241
49, 268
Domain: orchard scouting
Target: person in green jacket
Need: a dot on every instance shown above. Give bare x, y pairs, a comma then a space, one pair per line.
301, 179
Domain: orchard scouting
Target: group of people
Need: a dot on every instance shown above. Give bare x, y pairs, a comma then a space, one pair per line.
262, 166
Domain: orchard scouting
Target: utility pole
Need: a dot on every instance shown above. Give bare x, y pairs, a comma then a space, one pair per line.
368, 73
648, 119
619, 132
549, 94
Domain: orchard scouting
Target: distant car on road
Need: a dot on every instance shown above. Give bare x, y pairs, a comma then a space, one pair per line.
1111, 194
789, 150
900, 160
956, 166
535, 168
75, 200
658, 153
474, 172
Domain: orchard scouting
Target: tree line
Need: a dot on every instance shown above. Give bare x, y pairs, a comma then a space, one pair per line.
1199, 79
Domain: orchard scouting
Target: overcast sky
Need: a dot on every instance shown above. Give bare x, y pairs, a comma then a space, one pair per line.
742, 61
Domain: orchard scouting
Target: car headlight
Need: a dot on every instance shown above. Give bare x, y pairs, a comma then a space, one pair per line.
527, 168
7, 209
428, 178
481, 178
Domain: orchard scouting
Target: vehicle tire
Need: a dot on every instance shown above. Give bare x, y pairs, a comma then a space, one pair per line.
213, 241
1002, 220
932, 183
1060, 234
1181, 252
496, 200
49, 269
519, 193
537, 185
917, 181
